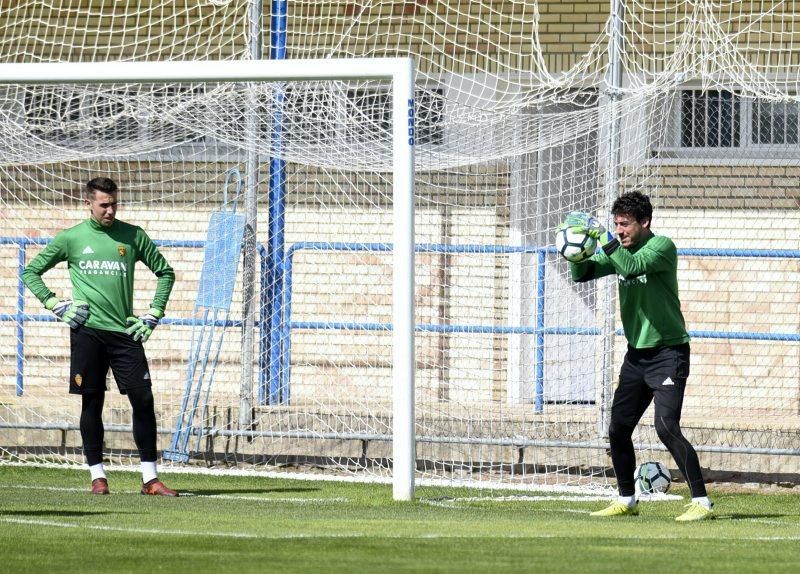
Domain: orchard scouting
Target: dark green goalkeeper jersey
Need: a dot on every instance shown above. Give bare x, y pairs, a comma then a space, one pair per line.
648, 290
101, 263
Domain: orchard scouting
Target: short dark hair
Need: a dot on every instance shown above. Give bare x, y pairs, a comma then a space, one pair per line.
633, 203
104, 184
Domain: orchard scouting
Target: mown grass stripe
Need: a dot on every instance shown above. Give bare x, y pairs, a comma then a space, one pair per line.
356, 535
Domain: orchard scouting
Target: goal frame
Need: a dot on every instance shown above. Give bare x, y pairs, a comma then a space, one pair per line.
400, 72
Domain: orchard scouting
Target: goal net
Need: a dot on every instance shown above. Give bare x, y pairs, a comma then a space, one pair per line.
523, 112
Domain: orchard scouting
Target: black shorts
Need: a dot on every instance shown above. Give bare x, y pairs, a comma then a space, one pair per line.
93, 351
649, 374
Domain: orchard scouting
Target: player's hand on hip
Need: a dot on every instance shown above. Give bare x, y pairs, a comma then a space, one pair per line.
73, 313
142, 327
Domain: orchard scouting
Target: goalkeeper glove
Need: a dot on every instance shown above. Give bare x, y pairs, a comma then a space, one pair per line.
142, 327
576, 219
593, 228
73, 313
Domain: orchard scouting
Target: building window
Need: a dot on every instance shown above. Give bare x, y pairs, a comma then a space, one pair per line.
430, 116
71, 115
315, 116
308, 118
369, 114
775, 123
167, 102
710, 119
52, 113
712, 123
171, 115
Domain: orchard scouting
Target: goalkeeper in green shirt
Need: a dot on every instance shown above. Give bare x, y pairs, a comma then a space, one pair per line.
656, 365
101, 253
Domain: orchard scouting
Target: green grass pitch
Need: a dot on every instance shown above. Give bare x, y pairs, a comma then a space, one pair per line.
50, 523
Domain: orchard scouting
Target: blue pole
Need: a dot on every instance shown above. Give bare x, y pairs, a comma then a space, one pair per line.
277, 210
20, 320
286, 327
263, 327
539, 357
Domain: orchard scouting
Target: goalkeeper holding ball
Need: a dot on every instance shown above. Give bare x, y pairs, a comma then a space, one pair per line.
656, 364
101, 253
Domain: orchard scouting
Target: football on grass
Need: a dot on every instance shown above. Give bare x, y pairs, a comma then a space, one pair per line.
651, 478
574, 245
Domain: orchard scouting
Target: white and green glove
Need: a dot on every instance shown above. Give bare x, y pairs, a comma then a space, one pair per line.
73, 313
593, 228
142, 327
576, 219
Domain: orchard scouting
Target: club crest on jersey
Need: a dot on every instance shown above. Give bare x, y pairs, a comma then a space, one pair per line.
121, 250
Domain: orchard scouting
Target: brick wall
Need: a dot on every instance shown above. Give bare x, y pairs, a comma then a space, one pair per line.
736, 187
94, 30
718, 294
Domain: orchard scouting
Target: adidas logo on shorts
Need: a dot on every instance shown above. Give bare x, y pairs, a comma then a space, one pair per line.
667, 382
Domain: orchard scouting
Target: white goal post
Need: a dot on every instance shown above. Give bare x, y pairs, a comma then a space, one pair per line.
398, 71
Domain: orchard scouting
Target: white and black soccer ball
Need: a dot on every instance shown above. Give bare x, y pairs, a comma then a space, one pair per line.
573, 245
652, 478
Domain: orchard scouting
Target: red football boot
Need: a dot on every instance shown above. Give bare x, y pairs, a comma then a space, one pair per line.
100, 486
156, 488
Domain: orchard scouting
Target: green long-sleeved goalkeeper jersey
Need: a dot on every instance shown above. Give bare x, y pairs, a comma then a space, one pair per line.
101, 263
648, 290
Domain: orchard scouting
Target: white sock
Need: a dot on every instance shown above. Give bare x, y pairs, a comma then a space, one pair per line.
96, 470
628, 501
704, 501
148, 471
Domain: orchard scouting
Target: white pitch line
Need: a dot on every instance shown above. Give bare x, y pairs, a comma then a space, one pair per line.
293, 500
522, 498
158, 531
49, 488
455, 502
366, 535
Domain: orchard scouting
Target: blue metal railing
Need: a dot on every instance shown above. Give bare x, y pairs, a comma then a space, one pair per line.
279, 372
274, 374
20, 317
